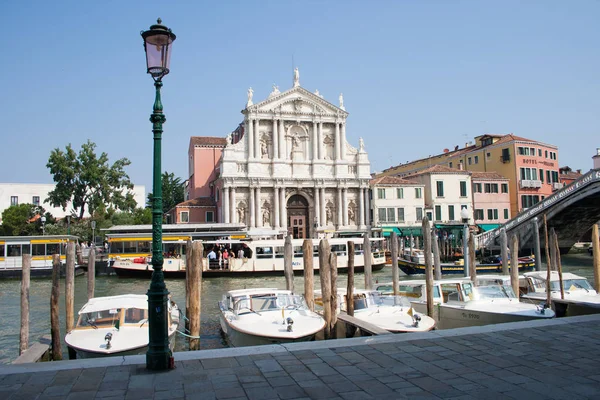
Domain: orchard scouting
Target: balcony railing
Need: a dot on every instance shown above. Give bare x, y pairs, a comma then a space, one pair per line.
531, 183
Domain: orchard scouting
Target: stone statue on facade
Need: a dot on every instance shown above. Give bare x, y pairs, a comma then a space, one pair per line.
228, 139
361, 145
264, 149
342, 101
351, 213
275, 91
329, 214
296, 77
266, 216
250, 94
241, 214
318, 94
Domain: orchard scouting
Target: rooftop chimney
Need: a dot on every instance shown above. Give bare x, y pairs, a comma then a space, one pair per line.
446, 150
466, 145
598, 151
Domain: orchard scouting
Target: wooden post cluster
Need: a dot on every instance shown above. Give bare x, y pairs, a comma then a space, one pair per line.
558, 263
288, 269
548, 264
472, 260
368, 262
596, 253
437, 266
325, 278
514, 264
428, 267
91, 273
309, 274
54, 318
395, 270
195, 278
25, 280
503, 251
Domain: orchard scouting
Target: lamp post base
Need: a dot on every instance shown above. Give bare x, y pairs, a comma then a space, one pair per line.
159, 354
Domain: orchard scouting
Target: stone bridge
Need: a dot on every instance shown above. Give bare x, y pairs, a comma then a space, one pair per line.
571, 211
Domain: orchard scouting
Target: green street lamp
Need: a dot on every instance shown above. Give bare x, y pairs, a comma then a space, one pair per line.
157, 44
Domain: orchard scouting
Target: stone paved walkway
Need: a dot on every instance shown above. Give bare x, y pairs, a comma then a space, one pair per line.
557, 359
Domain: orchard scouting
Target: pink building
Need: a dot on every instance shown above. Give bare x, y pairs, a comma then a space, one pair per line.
196, 211
204, 154
491, 199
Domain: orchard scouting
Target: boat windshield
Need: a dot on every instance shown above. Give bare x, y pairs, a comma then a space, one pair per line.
494, 292
99, 319
374, 299
268, 302
571, 285
135, 315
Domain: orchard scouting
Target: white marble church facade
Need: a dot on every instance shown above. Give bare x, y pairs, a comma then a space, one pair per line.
289, 168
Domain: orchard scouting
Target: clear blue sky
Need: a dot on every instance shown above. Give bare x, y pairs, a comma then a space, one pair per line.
417, 76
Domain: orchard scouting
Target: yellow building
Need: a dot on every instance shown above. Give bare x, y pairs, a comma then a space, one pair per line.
530, 166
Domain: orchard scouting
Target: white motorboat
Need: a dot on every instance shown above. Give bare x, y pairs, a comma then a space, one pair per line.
252, 317
458, 303
116, 325
393, 314
579, 296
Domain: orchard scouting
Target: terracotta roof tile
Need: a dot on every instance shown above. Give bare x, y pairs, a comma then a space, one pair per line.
440, 169
198, 202
391, 180
208, 141
487, 175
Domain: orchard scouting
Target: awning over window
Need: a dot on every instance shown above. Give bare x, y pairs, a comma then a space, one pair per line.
488, 227
387, 230
407, 231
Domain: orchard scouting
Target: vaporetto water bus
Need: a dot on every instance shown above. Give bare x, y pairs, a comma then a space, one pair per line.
130, 255
41, 249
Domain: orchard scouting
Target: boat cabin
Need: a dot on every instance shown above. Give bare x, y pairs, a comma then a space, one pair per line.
117, 311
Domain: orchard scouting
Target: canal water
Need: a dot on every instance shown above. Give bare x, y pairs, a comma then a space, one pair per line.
212, 291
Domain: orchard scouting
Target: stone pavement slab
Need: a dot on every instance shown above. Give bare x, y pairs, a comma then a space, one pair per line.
554, 359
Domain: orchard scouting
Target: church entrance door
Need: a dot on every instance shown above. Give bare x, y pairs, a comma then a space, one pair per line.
297, 211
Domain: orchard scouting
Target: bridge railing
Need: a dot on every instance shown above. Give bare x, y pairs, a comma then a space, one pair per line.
484, 239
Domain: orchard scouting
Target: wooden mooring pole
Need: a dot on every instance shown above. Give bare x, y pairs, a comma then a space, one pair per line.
548, 265
596, 253
536, 244
91, 273
395, 269
334, 297
309, 273
70, 293
189, 254
504, 251
54, 318
350, 286
514, 264
288, 269
367, 262
325, 278
558, 263
428, 265
435, 245
195, 294
79, 254
25, 281
472, 260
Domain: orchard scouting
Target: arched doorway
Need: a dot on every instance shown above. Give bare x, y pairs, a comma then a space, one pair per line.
297, 212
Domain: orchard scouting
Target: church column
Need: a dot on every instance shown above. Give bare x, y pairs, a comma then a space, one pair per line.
252, 209
343, 142
226, 204
257, 140
340, 221
315, 142
259, 220
275, 140
232, 206
345, 205
337, 141
317, 207
323, 212
250, 125
320, 144
367, 207
276, 207
283, 209
282, 150
361, 207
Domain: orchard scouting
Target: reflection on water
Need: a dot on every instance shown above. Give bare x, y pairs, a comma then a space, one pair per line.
212, 291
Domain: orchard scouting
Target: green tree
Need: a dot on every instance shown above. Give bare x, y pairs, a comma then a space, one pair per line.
172, 192
86, 180
19, 220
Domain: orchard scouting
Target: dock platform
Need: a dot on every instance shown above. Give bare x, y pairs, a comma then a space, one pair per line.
546, 359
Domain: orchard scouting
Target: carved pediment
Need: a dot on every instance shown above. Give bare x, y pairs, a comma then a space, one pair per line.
298, 101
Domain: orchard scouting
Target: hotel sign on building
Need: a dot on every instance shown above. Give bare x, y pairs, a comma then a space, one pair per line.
289, 167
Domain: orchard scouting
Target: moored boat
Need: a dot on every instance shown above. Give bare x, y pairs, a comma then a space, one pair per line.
261, 316
116, 326
410, 267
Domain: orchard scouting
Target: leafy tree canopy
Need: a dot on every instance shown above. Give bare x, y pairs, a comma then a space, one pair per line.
20, 220
87, 180
172, 192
